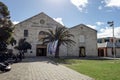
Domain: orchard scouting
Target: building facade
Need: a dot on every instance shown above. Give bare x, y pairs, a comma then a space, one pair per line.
85, 37
106, 47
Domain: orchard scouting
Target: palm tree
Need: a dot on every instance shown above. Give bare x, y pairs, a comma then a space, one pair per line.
61, 34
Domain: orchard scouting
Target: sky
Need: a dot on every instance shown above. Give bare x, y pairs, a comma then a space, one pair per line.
93, 13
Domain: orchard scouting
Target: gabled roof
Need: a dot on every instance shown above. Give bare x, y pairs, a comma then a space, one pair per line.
42, 13
81, 25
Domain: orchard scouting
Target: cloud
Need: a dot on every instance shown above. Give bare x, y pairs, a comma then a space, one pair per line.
112, 3
107, 32
102, 2
100, 7
59, 20
99, 23
92, 26
15, 22
80, 4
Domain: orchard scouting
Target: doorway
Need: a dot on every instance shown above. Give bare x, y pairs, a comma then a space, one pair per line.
82, 52
41, 50
102, 52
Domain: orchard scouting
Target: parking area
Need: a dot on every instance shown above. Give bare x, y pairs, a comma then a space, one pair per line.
41, 68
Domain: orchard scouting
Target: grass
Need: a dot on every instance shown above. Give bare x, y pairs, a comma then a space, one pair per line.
97, 69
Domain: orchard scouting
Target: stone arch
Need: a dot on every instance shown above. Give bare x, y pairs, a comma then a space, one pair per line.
82, 52
41, 35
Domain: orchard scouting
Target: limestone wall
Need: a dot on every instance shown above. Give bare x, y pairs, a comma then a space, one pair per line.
34, 25
89, 40
42, 22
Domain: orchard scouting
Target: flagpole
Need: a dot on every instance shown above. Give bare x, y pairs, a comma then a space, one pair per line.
111, 24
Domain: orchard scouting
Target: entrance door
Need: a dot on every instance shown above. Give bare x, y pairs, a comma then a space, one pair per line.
101, 52
82, 52
41, 52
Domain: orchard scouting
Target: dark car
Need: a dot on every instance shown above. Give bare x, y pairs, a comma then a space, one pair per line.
5, 67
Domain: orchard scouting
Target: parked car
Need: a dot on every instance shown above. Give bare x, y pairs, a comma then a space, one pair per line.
5, 66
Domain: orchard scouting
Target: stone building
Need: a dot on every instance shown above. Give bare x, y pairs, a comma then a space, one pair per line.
85, 37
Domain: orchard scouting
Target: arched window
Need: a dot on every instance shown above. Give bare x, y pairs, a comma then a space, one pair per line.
41, 36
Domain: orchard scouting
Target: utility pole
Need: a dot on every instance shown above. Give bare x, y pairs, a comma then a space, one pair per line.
111, 24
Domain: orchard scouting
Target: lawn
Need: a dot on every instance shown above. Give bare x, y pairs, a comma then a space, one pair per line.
97, 69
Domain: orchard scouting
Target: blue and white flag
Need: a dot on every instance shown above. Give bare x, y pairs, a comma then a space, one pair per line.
52, 47
49, 48
55, 46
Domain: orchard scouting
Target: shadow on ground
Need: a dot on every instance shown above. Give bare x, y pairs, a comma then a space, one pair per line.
39, 59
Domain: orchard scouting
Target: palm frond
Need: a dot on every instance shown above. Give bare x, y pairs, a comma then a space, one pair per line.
69, 42
59, 31
45, 42
51, 32
61, 34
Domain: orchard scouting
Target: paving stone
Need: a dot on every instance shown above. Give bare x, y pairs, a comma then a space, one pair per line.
41, 68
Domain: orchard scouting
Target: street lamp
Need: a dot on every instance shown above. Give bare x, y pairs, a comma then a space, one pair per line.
111, 24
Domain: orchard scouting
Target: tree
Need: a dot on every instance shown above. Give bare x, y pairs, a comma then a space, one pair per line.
62, 35
13, 41
6, 28
23, 46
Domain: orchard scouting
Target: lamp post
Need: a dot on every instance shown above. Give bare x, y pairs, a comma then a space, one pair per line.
111, 24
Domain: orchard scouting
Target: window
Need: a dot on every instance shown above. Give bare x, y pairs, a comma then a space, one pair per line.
25, 33
82, 38
107, 40
41, 36
99, 40
42, 21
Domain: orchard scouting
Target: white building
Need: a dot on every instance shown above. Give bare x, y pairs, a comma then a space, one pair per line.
106, 48
85, 37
